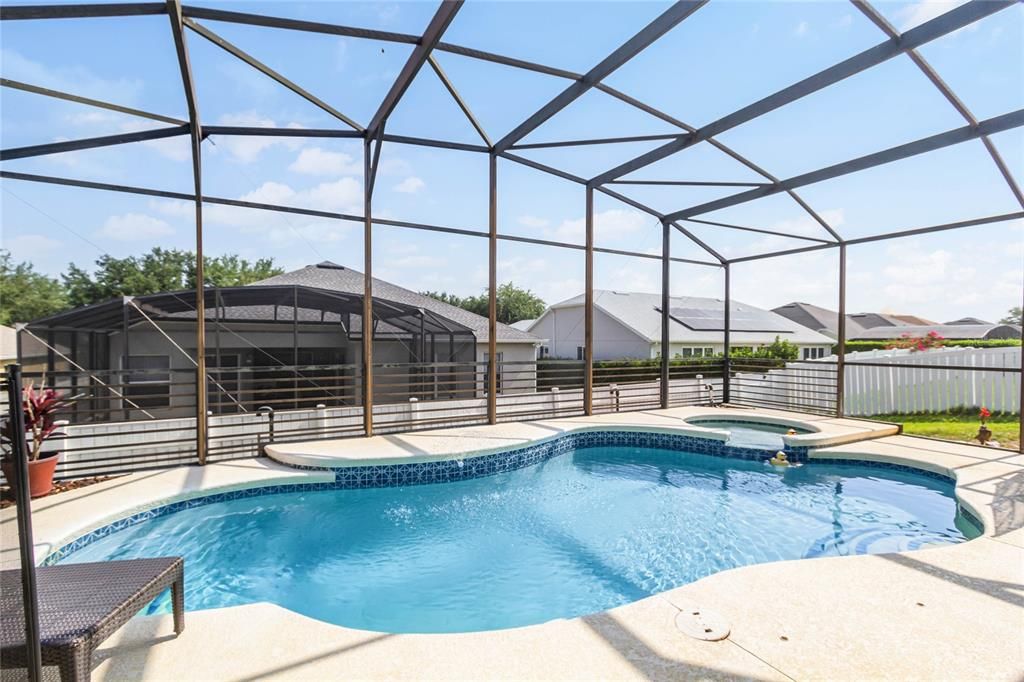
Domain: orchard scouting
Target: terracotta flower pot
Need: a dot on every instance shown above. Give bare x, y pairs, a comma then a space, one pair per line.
40, 475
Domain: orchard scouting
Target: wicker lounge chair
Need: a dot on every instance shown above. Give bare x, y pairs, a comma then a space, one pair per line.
80, 605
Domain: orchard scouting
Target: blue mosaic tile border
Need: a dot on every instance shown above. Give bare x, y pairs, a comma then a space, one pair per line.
448, 471
892, 466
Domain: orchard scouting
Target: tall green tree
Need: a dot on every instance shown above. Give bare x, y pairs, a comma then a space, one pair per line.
159, 270
514, 303
26, 294
1014, 317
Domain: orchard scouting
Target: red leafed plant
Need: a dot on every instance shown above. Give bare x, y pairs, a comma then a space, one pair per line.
41, 407
919, 343
984, 415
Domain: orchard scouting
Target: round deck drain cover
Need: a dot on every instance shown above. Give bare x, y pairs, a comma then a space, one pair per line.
701, 623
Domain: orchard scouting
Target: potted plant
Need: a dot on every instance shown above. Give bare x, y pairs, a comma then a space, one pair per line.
984, 433
41, 407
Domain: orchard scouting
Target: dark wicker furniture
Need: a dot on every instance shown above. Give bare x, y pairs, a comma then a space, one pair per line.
80, 605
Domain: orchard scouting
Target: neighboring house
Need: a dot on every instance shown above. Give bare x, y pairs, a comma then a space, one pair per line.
255, 334
628, 325
8, 354
523, 325
826, 321
965, 320
975, 332
514, 344
8, 346
914, 319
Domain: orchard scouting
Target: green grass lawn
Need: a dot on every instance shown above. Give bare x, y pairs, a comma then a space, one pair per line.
958, 426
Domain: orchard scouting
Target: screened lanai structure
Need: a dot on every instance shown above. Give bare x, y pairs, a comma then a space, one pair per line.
908, 117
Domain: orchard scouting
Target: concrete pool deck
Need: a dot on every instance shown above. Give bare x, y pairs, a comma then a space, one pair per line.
954, 612
467, 441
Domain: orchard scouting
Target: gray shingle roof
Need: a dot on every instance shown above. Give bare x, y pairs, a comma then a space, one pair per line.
946, 331
641, 313
334, 277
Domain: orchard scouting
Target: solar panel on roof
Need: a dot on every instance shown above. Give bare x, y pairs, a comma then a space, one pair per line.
713, 319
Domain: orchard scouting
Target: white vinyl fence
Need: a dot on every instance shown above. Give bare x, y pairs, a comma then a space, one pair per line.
938, 381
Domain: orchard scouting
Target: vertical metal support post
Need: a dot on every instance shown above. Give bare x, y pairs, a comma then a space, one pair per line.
51, 358
125, 356
841, 334
367, 293
29, 595
216, 344
588, 314
295, 346
196, 136
726, 338
492, 292
1020, 402
665, 304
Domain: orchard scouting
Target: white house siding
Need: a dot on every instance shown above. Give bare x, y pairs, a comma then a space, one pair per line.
517, 368
563, 327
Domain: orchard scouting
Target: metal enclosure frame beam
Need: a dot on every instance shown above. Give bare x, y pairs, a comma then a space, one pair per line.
196, 135
944, 24
991, 126
661, 25
431, 36
492, 289
896, 44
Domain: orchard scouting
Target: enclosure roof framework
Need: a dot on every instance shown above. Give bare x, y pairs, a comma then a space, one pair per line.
187, 19
257, 303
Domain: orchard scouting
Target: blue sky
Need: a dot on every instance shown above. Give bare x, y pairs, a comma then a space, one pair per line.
725, 56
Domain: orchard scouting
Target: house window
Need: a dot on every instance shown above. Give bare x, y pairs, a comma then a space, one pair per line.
579, 352
813, 353
145, 384
545, 352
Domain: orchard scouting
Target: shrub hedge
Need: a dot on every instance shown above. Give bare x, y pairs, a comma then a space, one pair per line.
852, 346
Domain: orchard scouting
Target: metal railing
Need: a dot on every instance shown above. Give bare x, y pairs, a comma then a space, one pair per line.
130, 420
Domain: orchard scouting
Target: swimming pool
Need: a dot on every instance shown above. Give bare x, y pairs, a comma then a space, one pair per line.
575, 534
750, 434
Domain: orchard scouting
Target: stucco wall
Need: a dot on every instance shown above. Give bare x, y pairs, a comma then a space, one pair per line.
563, 327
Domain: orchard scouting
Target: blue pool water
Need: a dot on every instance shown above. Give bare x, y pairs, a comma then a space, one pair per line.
750, 434
576, 534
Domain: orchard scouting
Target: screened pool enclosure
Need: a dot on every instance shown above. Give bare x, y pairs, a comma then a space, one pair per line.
440, 378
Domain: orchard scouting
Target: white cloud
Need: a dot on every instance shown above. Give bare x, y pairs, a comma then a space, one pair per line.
76, 79
394, 166
845, 21
340, 196
247, 148
919, 12
30, 246
174, 148
807, 226
343, 196
173, 207
609, 225
317, 161
134, 227
801, 28
411, 185
341, 55
532, 221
